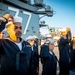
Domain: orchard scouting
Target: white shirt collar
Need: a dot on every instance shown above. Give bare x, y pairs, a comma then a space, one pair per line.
51, 52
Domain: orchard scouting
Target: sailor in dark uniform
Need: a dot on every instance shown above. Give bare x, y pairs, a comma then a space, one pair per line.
72, 63
36, 47
3, 21
64, 53
49, 60
14, 51
34, 57
44, 48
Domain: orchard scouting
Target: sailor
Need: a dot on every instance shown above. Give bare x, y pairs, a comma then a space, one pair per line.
14, 51
34, 57
49, 60
44, 48
64, 55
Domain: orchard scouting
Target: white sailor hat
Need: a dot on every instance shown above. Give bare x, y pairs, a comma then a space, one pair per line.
29, 38
51, 41
48, 35
35, 36
17, 19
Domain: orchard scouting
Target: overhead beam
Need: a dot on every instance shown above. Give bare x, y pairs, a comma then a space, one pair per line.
21, 5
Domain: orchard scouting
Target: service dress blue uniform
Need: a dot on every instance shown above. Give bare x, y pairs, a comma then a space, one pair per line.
64, 56
12, 60
49, 61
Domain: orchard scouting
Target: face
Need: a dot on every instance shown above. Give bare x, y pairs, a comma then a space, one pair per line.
51, 47
31, 42
18, 29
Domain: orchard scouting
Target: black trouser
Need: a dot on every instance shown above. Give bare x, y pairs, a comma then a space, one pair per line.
64, 70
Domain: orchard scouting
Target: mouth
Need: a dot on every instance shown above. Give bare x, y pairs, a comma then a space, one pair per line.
19, 34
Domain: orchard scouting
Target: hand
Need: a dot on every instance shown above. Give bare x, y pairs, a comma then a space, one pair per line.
4, 20
7, 16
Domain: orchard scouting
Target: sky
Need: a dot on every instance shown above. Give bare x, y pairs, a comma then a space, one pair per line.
64, 14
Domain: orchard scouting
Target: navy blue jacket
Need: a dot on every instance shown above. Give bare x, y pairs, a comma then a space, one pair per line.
64, 54
44, 52
9, 60
72, 64
34, 65
49, 65
49, 62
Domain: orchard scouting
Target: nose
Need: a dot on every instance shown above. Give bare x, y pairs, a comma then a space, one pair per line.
19, 29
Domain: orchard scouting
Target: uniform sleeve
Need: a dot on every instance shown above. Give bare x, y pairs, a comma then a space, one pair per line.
2, 24
63, 42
